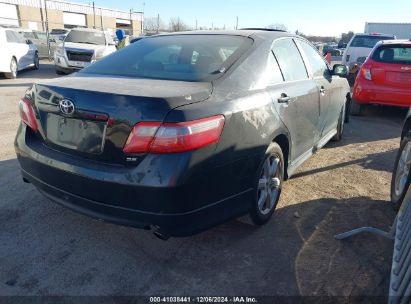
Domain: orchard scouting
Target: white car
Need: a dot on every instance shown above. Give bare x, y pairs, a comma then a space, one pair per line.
16, 53
80, 48
360, 47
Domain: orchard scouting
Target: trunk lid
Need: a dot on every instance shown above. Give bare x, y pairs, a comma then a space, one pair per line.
101, 111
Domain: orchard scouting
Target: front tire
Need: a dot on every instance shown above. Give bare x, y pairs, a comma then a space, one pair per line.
268, 183
340, 126
13, 70
401, 176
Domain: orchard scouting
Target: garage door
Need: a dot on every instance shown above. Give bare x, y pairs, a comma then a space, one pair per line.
73, 20
8, 14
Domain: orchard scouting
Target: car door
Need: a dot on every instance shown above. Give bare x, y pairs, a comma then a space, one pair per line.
41, 43
296, 99
321, 74
17, 49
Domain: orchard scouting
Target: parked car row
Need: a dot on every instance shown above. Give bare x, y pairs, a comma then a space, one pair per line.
180, 132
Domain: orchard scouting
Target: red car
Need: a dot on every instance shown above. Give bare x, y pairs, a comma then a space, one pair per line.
385, 77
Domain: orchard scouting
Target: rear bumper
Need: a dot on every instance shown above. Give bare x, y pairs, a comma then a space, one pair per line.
176, 207
366, 94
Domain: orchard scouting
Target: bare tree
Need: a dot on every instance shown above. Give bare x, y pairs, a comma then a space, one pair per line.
277, 26
153, 25
177, 25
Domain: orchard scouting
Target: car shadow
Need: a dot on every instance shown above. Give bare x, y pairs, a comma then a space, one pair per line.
49, 250
382, 161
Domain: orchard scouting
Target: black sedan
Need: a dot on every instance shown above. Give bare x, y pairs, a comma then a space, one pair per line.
180, 132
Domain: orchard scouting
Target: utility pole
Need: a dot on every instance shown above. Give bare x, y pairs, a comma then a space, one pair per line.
236, 24
47, 30
158, 23
94, 13
196, 25
142, 18
131, 24
101, 19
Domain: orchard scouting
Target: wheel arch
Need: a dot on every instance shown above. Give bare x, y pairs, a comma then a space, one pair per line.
284, 143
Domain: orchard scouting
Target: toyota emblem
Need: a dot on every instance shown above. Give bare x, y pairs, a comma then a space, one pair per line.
66, 107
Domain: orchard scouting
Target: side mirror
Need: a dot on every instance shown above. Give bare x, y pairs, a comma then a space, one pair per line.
61, 38
28, 41
52, 40
340, 70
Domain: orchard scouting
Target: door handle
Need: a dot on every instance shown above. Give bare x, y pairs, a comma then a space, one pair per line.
284, 98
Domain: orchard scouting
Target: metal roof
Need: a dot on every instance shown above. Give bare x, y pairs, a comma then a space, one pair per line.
73, 7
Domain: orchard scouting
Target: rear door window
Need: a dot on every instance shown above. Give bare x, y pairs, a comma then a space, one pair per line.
393, 54
290, 60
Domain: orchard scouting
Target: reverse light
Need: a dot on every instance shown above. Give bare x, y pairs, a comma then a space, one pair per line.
156, 137
27, 113
367, 73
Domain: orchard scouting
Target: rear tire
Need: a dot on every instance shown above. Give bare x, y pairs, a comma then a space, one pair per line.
356, 108
268, 185
13, 69
401, 177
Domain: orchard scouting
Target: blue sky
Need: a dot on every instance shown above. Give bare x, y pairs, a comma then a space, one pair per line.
310, 16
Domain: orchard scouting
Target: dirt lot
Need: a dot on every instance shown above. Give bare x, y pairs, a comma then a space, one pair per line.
48, 250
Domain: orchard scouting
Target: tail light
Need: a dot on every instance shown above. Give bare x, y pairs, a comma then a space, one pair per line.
366, 73
27, 113
156, 137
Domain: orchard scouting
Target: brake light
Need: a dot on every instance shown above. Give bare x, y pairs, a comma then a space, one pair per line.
27, 113
156, 137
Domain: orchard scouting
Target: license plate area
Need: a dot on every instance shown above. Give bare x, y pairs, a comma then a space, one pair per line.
76, 134
79, 64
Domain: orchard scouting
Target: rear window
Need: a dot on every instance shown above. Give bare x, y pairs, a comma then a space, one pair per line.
174, 57
368, 41
400, 54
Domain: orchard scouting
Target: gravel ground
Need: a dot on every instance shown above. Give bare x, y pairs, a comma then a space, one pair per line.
48, 250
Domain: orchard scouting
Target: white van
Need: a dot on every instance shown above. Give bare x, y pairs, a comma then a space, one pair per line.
16, 53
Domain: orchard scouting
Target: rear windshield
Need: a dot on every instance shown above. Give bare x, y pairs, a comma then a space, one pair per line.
174, 57
368, 41
97, 38
400, 54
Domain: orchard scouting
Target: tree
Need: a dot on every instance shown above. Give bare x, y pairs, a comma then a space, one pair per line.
277, 26
177, 25
346, 37
153, 25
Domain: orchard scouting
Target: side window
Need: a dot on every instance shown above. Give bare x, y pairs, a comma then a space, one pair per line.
316, 62
290, 60
273, 71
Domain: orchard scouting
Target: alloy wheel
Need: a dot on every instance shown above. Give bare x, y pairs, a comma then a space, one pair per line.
403, 169
269, 184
